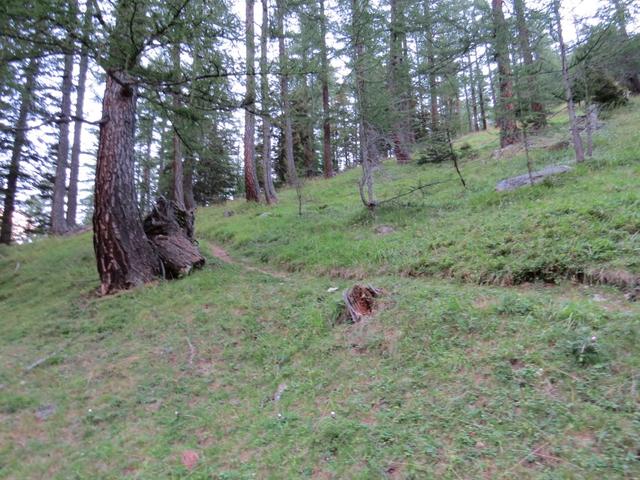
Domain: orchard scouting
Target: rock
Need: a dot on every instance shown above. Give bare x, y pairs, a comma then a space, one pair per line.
265, 214
384, 229
228, 213
43, 412
332, 289
522, 180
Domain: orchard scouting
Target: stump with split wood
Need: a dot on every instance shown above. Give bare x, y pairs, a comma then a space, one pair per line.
170, 230
361, 301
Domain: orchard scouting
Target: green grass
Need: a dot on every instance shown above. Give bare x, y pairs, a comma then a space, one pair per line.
457, 376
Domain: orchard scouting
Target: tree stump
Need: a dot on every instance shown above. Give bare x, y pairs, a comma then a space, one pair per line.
360, 301
170, 230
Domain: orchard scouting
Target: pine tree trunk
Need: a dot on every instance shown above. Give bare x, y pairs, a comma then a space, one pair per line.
267, 179
177, 168
537, 109
398, 94
76, 149
124, 255
575, 134
480, 79
26, 103
145, 197
474, 102
58, 221
292, 175
327, 164
431, 59
506, 108
250, 174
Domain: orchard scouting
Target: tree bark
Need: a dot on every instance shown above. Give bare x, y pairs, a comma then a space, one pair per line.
292, 174
480, 79
506, 109
474, 101
124, 255
250, 174
145, 197
267, 179
58, 221
177, 169
327, 164
537, 109
72, 194
431, 59
26, 103
398, 93
575, 134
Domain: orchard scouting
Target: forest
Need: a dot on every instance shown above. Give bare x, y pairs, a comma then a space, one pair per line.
319, 239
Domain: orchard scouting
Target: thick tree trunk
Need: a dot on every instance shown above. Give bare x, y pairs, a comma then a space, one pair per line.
327, 164
74, 167
575, 134
124, 255
26, 102
58, 221
250, 174
267, 179
506, 108
292, 174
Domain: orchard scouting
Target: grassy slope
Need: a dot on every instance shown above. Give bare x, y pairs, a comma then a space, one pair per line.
450, 380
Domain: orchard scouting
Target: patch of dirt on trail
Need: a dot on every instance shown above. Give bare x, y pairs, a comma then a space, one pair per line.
221, 254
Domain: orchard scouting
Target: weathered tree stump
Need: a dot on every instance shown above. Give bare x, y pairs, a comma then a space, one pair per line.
360, 301
170, 230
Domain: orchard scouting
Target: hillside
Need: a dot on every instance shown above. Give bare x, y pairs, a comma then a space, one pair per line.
503, 348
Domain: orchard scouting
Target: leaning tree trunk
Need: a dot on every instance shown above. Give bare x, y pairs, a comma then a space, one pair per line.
26, 102
58, 221
124, 255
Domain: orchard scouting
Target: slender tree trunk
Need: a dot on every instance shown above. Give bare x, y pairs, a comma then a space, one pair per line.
431, 59
398, 93
72, 199
537, 109
145, 202
58, 221
575, 134
327, 164
250, 174
474, 102
367, 194
177, 168
267, 179
480, 79
26, 103
292, 175
124, 256
506, 108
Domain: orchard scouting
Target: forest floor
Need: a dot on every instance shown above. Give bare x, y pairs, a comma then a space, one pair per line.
494, 354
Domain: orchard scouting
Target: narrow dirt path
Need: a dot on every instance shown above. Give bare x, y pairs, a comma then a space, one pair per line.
221, 254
